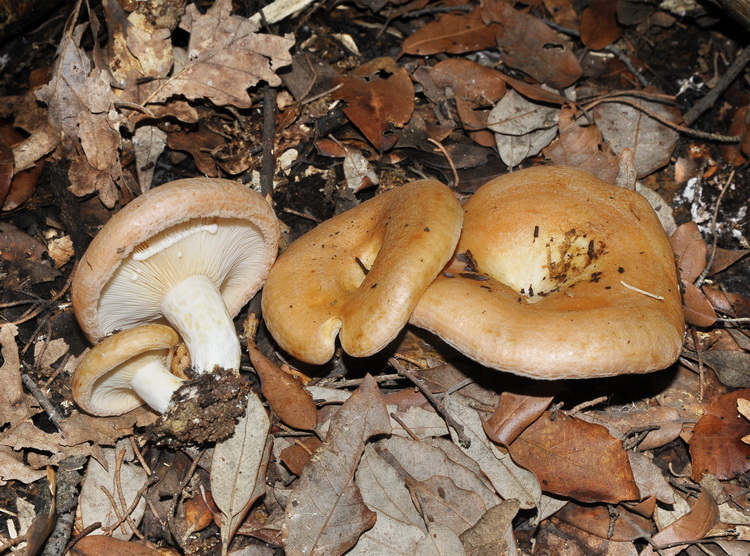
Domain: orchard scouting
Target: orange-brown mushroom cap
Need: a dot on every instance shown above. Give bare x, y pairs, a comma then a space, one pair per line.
360, 273
559, 275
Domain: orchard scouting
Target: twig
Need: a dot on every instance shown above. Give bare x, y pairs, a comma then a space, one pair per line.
47, 406
701, 368
119, 523
139, 455
455, 425
121, 495
448, 157
669, 123
404, 426
69, 477
183, 484
714, 224
43, 306
269, 136
612, 49
357, 381
730, 74
644, 292
581, 406
303, 215
86, 531
321, 95
12, 542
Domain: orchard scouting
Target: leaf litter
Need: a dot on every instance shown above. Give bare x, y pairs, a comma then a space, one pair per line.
364, 465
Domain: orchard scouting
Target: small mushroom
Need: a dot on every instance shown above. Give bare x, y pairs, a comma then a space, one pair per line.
558, 275
126, 370
191, 253
359, 274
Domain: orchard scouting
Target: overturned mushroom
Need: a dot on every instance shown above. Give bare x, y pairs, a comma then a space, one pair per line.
360, 274
126, 370
191, 253
558, 275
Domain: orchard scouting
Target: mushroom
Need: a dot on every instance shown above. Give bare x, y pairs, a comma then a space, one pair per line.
359, 274
126, 370
558, 275
191, 253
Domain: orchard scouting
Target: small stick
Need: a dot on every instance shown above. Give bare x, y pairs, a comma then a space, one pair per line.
447, 156
87, 531
358, 381
455, 425
47, 406
302, 215
404, 426
644, 292
714, 223
269, 135
730, 74
581, 406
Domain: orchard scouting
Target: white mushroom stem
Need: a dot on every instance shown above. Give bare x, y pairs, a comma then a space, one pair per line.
196, 309
155, 385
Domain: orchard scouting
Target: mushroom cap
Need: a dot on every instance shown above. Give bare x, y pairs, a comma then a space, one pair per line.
542, 283
213, 227
101, 383
360, 273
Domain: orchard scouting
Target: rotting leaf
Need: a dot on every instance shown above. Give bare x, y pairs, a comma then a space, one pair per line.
238, 467
716, 445
454, 34
528, 44
378, 105
731, 366
574, 458
325, 514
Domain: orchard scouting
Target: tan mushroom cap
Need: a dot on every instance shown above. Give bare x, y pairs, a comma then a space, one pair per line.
317, 289
559, 275
103, 381
192, 252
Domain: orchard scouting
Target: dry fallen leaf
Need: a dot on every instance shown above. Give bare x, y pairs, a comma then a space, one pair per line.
325, 514
574, 458
716, 445
582, 146
292, 403
454, 34
378, 105
522, 128
96, 505
399, 527
238, 467
599, 27
96, 545
623, 126
690, 527
514, 412
488, 534
528, 44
